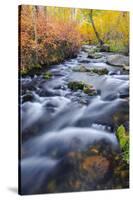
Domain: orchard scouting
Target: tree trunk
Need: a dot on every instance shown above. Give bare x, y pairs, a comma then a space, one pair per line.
34, 18
73, 14
100, 41
45, 12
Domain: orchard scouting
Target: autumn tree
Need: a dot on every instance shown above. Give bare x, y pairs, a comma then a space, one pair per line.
100, 41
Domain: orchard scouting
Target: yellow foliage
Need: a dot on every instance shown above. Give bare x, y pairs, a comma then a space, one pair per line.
112, 26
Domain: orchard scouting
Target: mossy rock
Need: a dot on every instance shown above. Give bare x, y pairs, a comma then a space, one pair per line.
98, 71
95, 55
90, 90
80, 68
95, 167
47, 75
105, 48
123, 139
86, 88
36, 66
24, 72
75, 85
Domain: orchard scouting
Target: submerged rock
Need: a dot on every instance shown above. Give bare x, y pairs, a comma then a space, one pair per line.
118, 60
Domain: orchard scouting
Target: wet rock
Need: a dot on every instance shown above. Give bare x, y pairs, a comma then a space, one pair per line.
90, 90
104, 48
87, 171
80, 68
94, 55
84, 60
28, 97
121, 117
86, 88
118, 60
51, 187
90, 48
98, 71
76, 85
95, 167
47, 75
126, 68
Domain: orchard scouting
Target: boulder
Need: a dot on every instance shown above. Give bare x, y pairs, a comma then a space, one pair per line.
76, 85
126, 68
118, 60
28, 97
86, 88
47, 75
104, 48
84, 60
80, 68
95, 167
95, 55
90, 90
99, 71
90, 48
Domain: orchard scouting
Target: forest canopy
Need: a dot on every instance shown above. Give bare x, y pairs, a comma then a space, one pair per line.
48, 35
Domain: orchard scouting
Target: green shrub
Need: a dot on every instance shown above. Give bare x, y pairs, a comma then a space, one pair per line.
123, 139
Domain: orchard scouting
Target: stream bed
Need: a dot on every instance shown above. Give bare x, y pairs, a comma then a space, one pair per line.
68, 137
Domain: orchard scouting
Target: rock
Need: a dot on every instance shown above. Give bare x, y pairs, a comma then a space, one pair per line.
47, 75
76, 85
84, 61
86, 88
51, 187
88, 170
80, 68
118, 60
126, 67
98, 71
90, 49
95, 167
95, 55
28, 97
104, 48
90, 90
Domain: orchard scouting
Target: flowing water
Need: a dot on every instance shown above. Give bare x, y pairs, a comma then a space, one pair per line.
56, 121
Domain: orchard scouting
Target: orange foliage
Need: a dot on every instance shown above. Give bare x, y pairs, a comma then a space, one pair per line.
56, 39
